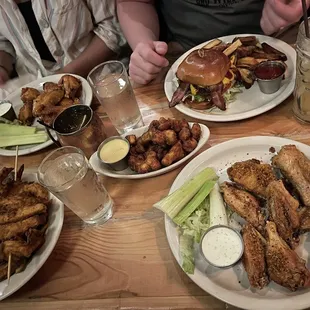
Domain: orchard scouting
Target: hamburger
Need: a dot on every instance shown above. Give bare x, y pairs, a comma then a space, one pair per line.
204, 76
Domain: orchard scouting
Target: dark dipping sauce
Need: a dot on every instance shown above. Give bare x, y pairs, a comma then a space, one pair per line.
268, 71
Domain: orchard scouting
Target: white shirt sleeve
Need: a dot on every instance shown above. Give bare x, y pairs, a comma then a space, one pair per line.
107, 27
6, 46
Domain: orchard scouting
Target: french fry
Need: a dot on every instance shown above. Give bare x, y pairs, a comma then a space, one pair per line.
247, 61
247, 41
232, 48
212, 44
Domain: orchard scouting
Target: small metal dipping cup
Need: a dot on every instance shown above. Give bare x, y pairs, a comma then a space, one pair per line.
118, 165
270, 86
241, 252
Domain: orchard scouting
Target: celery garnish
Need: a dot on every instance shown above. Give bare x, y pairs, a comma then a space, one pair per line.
176, 201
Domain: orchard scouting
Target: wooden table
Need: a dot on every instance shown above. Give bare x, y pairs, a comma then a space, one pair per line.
127, 263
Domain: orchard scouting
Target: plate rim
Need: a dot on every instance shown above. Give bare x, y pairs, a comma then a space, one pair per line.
244, 115
161, 171
25, 280
49, 142
246, 302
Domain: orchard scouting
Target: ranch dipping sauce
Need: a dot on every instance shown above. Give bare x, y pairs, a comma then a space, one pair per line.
114, 151
222, 246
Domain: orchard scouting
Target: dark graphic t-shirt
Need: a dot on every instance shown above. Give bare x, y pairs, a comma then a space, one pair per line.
191, 22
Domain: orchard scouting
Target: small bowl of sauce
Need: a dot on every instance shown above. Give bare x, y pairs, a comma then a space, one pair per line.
113, 152
6, 110
269, 75
222, 246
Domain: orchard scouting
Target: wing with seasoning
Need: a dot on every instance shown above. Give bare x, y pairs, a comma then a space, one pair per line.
254, 257
244, 204
252, 175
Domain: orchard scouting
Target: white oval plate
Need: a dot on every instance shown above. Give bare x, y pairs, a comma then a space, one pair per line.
250, 102
232, 285
55, 222
86, 98
129, 174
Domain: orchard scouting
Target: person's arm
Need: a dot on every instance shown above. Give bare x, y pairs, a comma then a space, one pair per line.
139, 21
7, 54
95, 53
106, 43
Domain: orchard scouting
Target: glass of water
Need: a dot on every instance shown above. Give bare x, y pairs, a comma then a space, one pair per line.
112, 88
301, 104
66, 173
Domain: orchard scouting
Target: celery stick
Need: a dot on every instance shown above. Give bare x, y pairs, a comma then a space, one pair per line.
195, 202
16, 130
175, 202
218, 215
23, 140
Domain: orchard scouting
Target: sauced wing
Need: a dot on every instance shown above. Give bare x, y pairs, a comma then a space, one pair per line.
244, 204
283, 211
254, 257
295, 166
285, 267
47, 99
253, 175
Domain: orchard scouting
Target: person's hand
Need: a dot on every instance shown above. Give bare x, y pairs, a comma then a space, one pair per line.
4, 76
278, 14
147, 60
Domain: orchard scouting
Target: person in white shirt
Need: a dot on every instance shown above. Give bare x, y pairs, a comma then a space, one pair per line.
55, 36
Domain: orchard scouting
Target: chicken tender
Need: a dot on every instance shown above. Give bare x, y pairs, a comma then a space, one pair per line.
174, 154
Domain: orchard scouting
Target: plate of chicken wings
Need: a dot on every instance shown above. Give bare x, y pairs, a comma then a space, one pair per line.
44, 99
31, 220
265, 183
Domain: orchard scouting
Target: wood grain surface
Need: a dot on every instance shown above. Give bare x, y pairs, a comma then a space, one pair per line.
127, 263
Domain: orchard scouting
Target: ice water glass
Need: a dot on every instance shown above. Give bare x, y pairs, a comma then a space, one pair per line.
112, 88
67, 174
301, 104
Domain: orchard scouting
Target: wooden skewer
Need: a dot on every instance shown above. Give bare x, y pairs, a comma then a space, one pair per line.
15, 178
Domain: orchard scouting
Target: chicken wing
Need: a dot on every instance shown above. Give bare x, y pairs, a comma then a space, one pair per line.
244, 204
295, 166
254, 257
29, 94
304, 215
174, 154
285, 267
283, 211
48, 86
72, 86
253, 175
25, 114
47, 99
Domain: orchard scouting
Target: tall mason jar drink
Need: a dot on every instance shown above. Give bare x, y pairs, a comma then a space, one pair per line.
112, 88
301, 105
66, 173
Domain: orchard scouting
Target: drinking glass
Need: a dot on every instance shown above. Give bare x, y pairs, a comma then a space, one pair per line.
301, 104
112, 88
66, 173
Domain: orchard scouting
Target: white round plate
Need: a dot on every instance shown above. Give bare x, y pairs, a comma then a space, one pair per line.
86, 98
232, 285
250, 102
101, 168
55, 222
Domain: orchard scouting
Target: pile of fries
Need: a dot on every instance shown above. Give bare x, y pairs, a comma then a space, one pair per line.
245, 54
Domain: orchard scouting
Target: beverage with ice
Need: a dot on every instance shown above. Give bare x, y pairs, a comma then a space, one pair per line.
112, 88
66, 173
301, 104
